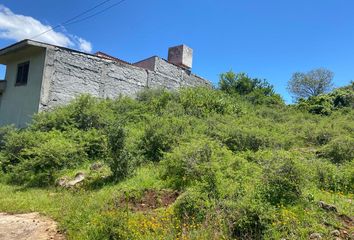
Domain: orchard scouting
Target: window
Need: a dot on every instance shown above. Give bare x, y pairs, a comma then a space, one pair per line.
22, 73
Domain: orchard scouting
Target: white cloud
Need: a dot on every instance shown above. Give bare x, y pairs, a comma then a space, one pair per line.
18, 27
84, 45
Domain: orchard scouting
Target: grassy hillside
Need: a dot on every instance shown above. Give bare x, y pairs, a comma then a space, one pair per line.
193, 164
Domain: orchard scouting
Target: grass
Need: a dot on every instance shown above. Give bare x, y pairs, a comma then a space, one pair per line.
77, 211
73, 209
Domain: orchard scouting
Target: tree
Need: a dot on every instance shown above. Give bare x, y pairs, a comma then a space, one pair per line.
312, 83
242, 84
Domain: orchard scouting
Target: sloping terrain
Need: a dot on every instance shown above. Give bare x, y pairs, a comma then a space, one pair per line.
194, 164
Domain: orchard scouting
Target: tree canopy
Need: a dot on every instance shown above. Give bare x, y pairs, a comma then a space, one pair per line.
312, 83
242, 84
255, 90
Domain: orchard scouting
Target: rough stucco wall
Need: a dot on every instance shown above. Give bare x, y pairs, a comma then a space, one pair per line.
19, 103
69, 74
173, 77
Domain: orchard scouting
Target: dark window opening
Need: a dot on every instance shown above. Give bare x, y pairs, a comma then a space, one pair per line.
22, 73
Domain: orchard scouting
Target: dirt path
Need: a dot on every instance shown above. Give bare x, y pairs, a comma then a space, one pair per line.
30, 226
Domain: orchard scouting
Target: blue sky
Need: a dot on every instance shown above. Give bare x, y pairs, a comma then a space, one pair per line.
267, 39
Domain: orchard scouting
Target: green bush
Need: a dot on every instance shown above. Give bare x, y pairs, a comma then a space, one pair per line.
282, 178
343, 98
241, 140
347, 177
84, 113
157, 99
33, 159
248, 219
127, 110
335, 178
118, 159
339, 150
94, 142
4, 131
201, 102
161, 134
256, 91
193, 205
196, 162
109, 225
325, 104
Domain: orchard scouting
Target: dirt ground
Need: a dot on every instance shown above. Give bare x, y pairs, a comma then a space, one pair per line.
30, 226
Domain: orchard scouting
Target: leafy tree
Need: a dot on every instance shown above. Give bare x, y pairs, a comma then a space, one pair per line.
312, 83
242, 84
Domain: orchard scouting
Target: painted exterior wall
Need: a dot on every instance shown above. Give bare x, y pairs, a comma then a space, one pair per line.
19, 103
68, 74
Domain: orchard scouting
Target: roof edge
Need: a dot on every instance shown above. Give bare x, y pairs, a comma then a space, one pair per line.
21, 44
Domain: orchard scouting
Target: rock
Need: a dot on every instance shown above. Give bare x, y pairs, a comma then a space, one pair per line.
327, 207
79, 177
96, 166
315, 236
335, 233
62, 181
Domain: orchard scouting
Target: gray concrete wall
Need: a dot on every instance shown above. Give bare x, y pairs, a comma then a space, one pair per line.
69, 74
19, 103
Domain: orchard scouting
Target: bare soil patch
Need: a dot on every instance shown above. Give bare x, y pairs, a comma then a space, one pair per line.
151, 199
29, 226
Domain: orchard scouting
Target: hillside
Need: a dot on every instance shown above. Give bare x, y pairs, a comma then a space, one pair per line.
194, 164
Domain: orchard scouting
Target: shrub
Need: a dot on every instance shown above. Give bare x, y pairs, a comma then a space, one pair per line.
94, 142
335, 178
343, 98
193, 205
248, 219
325, 104
198, 161
109, 224
16, 142
339, 150
200, 102
85, 112
258, 96
282, 179
161, 134
241, 140
118, 159
127, 110
157, 99
36, 161
251, 137
347, 177
242, 84
4, 131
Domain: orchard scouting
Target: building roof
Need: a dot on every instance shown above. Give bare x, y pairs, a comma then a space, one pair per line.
109, 57
27, 43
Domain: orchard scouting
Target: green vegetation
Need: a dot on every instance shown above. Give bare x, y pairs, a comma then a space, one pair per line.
233, 163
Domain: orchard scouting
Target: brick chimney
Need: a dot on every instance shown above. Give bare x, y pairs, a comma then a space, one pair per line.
181, 55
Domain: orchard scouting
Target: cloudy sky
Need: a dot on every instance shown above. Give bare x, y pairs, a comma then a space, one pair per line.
266, 39
16, 27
